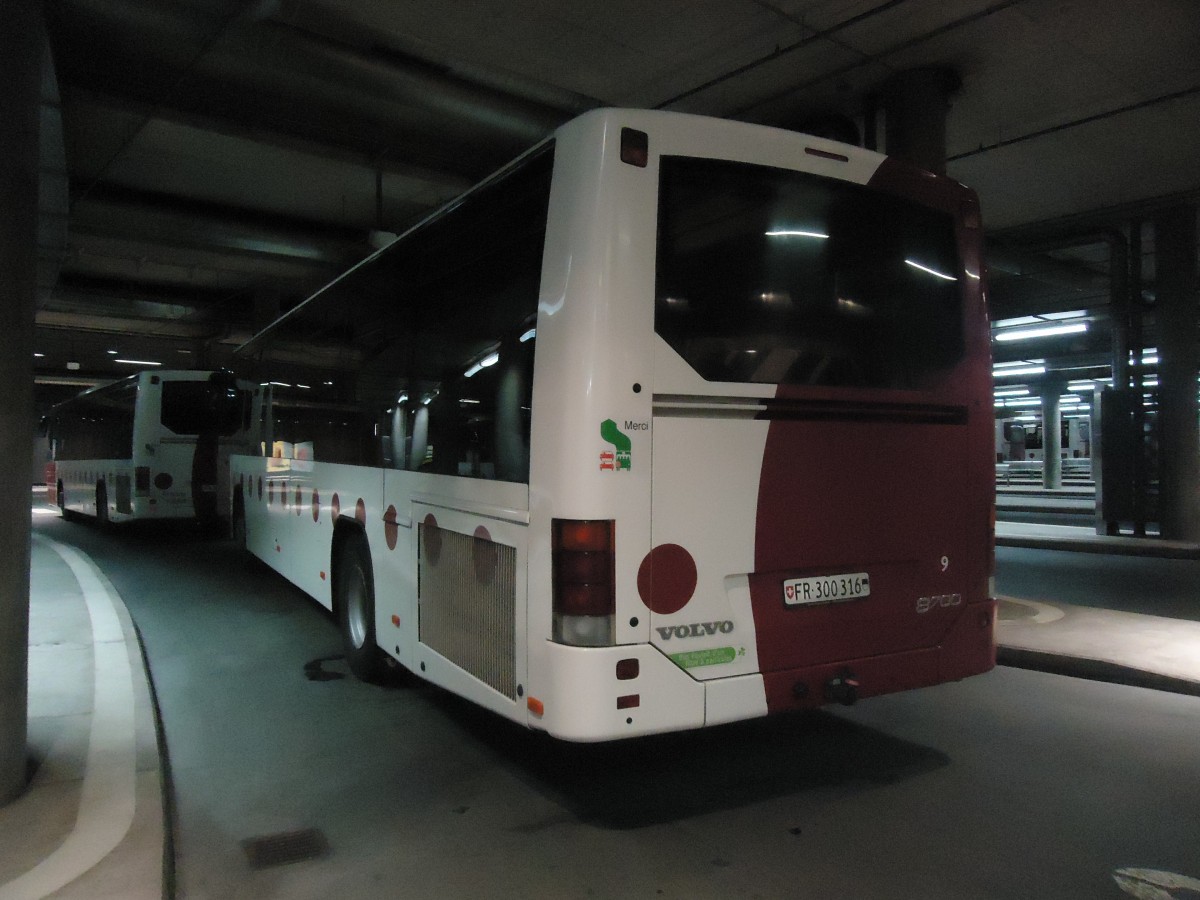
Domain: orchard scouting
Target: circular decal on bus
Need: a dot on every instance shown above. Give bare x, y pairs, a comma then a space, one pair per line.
666, 579
484, 556
390, 528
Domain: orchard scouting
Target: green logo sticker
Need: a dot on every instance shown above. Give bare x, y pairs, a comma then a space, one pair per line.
620, 458
714, 656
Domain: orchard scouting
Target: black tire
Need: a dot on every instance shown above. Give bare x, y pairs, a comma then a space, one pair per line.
355, 601
68, 515
102, 504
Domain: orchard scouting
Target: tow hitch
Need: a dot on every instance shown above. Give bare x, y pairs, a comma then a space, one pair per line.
842, 688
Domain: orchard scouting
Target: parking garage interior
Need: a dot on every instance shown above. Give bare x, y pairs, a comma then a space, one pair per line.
179, 174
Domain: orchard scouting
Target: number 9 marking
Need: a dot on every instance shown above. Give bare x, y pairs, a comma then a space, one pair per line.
945, 563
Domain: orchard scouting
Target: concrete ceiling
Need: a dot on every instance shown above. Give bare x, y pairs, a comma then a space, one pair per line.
224, 159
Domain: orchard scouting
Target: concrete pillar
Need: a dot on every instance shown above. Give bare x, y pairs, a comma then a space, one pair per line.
915, 104
1052, 435
1179, 442
22, 43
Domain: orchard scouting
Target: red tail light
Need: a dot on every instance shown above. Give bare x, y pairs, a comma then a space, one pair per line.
584, 590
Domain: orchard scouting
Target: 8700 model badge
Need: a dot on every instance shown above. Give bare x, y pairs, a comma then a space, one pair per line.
826, 588
925, 604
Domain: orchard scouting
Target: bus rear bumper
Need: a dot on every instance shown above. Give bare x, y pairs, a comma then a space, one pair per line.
968, 648
605, 693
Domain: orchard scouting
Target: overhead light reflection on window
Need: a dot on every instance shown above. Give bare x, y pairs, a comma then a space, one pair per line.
1025, 334
490, 360
816, 235
853, 308
777, 299
929, 271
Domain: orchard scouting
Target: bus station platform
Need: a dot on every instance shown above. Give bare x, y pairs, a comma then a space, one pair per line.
1084, 539
95, 821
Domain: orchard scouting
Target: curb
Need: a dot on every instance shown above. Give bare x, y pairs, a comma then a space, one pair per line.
1110, 546
1093, 670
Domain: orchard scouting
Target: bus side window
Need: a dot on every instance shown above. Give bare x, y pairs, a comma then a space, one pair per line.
514, 385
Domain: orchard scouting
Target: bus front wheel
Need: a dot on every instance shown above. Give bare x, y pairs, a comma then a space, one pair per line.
355, 598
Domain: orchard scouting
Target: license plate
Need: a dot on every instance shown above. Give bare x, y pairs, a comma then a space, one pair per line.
826, 588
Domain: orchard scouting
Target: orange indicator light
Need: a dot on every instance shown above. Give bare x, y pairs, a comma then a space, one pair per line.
536, 706
396, 621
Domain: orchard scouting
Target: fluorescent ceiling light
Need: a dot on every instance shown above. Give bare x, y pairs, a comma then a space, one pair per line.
1010, 392
138, 362
1031, 401
1019, 370
1024, 334
807, 234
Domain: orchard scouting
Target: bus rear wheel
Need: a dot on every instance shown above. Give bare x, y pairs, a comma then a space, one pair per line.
355, 602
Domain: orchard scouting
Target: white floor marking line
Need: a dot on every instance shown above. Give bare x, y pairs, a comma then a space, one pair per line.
106, 801
1154, 884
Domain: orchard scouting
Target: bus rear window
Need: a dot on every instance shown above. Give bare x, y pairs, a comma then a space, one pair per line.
772, 276
201, 407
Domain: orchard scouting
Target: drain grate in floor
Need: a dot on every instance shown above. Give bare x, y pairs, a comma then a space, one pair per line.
284, 848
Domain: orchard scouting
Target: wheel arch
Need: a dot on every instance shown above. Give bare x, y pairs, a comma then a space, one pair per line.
345, 531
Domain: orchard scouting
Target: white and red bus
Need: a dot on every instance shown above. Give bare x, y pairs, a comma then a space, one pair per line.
672, 422
155, 445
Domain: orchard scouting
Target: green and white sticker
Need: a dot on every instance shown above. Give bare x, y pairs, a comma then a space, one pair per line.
714, 656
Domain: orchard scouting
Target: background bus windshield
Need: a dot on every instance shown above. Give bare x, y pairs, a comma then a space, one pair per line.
774, 276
